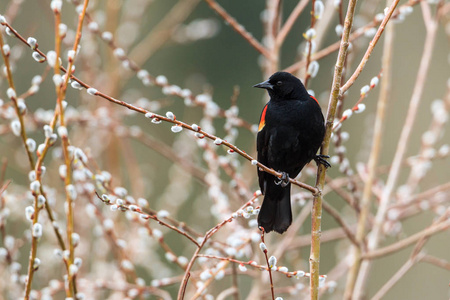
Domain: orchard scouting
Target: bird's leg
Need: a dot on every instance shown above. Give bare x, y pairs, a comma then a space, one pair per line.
283, 180
322, 159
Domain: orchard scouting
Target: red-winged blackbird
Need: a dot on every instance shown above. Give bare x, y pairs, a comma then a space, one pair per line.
291, 130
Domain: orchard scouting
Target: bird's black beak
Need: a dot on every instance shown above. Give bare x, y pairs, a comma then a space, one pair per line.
264, 85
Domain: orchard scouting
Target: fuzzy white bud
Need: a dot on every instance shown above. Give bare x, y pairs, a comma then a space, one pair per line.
170, 115
29, 212
272, 261
347, 113
36, 263
35, 186
176, 128
313, 68
62, 29
370, 32
149, 115
406, 10
203, 98
107, 36
157, 233
51, 58
318, 9
263, 247
91, 91
16, 127
62, 131
37, 230
339, 29
21, 105
31, 144
170, 256
71, 192
119, 53
56, 5
299, 274
161, 80
40, 201
183, 261
379, 17
360, 108
205, 275
38, 57
75, 239
11, 93
32, 175
309, 34
242, 268
32, 42
162, 214
73, 269
71, 55
6, 49
78, 262
364, 90
76, 85
47, 131
142, 74
374, 82
40, 149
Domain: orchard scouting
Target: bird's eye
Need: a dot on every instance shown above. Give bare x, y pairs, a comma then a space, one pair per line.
279, 82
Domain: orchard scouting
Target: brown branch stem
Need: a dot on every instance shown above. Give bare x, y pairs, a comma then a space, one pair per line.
316, 214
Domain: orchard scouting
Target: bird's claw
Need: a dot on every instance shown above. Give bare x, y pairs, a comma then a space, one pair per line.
283, 180
322, 159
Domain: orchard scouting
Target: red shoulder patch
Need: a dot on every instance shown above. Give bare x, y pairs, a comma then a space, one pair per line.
314, 99
262, 121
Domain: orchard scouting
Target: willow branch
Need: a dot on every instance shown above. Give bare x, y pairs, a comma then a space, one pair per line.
316, 214
370, 49
407, 241
238, 28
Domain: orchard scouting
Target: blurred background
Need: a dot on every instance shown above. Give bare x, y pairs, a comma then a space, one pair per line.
198, 183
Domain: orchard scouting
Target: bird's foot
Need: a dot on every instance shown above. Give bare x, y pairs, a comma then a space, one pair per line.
322, 159
283, 180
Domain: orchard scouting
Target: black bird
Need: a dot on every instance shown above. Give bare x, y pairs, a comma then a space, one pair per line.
291, 130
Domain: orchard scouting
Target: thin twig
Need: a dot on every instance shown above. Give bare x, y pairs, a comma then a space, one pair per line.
407, 241
150, 216
397, 276
335, 214
370, 49
439, 262
238, 28
205, 239
162, 31
287, 26
269, 269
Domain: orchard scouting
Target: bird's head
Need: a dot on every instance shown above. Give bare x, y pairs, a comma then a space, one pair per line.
284, 86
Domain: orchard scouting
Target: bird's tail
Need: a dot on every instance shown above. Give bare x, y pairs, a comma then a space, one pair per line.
275, 213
